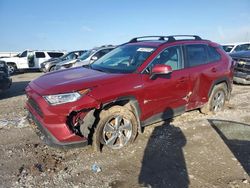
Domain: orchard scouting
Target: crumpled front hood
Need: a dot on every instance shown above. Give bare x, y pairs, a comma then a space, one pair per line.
70, 80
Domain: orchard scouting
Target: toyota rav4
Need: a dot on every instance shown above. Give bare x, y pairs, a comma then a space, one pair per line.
146, 80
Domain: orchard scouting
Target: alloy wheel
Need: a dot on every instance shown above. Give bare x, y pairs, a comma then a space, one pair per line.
218, 101
117, 132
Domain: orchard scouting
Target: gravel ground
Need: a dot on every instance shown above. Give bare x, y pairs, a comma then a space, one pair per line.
193, 150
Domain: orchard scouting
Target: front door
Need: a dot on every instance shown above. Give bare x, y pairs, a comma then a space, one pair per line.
165, 95
23, 60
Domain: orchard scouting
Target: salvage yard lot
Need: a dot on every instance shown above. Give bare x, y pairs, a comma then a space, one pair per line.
193, 150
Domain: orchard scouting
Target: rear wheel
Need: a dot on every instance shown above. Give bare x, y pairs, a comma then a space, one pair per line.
117, 128
216, 100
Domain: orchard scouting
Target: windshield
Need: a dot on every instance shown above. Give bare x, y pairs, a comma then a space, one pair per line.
227, 48
123, 59
70, 55
86, 55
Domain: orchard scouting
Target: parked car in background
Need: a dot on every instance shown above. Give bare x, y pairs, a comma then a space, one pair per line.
29, 59
50, 64
141, 82
5, 80
236, 47
87, 58
242, 67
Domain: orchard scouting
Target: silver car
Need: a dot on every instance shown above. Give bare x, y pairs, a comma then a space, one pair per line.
86, 58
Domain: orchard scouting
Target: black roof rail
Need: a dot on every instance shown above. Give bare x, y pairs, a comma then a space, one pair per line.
169, 38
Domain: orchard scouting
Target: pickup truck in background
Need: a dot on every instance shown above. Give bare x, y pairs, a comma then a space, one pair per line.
29, 59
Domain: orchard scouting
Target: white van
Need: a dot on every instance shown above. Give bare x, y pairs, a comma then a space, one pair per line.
29, 59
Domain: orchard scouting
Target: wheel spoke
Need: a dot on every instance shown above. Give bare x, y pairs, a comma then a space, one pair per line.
219, 97
118, 120
126, 126
112, 140
109, 128
122, 140
218, 101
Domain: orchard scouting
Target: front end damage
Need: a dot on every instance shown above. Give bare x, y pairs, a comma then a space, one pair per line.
63, 125
242, 71
82, 122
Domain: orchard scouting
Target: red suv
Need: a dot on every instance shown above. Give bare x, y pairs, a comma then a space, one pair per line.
146, 80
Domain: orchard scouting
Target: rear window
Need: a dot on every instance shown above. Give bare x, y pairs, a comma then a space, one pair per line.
55, 54
40, 54
102, 52
213, 55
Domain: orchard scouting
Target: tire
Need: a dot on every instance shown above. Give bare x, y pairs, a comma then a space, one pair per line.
216, 100
116, 128
52, 68
12, 68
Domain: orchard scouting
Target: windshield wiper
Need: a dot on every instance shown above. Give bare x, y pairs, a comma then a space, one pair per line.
100, 70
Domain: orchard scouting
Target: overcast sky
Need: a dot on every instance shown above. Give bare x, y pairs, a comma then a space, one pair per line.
83, 24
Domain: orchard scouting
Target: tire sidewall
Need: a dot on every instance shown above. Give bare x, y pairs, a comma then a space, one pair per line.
13, 67
52, 68
106, 116
215, 90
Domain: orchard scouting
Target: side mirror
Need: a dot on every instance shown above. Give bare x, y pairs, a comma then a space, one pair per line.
161, 70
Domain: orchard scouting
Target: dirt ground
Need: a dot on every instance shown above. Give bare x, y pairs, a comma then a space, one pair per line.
193, 150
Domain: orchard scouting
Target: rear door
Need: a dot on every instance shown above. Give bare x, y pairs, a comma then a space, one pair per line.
39, 58
203, 63
165, 95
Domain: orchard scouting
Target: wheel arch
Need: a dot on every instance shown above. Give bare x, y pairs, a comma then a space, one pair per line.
222, 80
11, 62
50, 67
129, 102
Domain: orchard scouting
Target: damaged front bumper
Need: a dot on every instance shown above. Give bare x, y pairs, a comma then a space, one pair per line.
242, 71
61, 125
48, 138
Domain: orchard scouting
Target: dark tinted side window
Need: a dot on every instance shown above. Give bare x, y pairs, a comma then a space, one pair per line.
213, 55
196, 54
24, 54
40, 55
102, 52
81, 52
55, 54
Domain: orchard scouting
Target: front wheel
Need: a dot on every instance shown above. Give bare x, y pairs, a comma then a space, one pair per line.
12, 68
53, 68
117, 128
216, 100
